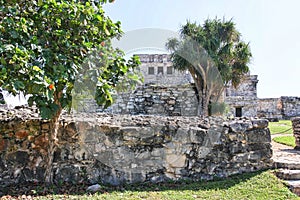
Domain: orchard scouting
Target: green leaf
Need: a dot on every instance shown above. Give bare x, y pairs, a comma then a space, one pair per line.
18, 85
58, 22
14, 34
99, 17
36, 68
3, 61
46, 112
40, 3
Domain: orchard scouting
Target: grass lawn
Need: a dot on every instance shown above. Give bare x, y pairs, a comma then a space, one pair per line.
283, 126
287, 140
258, 185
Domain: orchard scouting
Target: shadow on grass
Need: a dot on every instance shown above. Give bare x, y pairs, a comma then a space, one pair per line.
34, 190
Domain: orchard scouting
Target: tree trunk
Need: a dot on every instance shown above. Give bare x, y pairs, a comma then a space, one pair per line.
198, 84
53, 140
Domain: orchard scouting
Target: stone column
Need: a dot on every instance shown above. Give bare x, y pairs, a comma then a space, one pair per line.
296, 130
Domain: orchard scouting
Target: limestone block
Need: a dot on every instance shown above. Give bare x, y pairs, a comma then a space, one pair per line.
241, 157
158, 152
90, 137
260, 123
240, 126
176, 161
236, 148
258, 136
214, 136
197, 135
99, 147
203, 152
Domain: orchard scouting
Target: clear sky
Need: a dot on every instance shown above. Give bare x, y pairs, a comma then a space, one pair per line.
271, 27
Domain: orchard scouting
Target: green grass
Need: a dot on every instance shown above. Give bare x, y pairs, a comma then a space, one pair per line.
287, 140
281, 127
256, 186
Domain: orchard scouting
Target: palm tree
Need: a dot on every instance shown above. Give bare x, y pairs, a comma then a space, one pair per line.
214, 55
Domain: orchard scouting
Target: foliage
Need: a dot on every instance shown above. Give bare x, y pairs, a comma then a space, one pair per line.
288, 140
283, 126
217, 108
214, 54
43, 44
259, 185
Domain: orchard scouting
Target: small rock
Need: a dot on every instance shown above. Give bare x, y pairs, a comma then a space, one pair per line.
157, 179
93, 188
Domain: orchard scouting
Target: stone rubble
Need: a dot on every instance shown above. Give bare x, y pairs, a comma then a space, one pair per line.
287, 165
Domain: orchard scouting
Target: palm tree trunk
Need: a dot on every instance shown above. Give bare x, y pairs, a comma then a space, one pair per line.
202, 109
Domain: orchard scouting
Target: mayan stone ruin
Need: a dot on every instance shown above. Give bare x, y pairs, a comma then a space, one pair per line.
151, 134
118, 149
170, 92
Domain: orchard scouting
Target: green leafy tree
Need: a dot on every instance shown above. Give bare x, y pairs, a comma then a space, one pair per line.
43, 46
215, 56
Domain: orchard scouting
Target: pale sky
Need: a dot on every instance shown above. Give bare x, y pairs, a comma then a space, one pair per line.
271, 27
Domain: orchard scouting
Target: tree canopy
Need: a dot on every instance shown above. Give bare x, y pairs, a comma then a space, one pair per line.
214, 54
43, 44
46, 45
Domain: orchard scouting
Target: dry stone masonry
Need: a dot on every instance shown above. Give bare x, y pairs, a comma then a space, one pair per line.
158, 69
151, 100
158, 100
296, 130
285, 107
242, 101
170, 92
118, 149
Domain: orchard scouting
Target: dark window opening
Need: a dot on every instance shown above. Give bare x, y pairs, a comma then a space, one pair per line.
238, 112
160, 70
150, 70
169, 70
151, 58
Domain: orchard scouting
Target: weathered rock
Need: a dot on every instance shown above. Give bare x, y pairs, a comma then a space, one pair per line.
285, 107
118, 149
93, 188
296, 131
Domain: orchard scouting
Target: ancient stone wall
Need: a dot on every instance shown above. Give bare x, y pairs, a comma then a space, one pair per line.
243, 98
159, 100
279, 108
158, 69
116, 149
152, 100
296, 131
270, 108
290, 107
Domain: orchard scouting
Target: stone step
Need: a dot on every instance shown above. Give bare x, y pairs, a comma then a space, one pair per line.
286, 165
294, 186
288, 174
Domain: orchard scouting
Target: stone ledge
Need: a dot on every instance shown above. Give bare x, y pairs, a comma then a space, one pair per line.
117, 149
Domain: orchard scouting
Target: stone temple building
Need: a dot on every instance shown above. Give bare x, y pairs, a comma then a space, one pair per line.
169, 92
241, 101
158, 69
